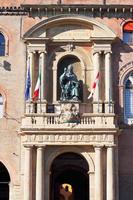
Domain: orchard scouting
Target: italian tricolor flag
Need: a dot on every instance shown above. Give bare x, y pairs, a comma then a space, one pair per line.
37, 88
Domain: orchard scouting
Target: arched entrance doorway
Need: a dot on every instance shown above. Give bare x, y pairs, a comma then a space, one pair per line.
4, 182
69, 178
64, 63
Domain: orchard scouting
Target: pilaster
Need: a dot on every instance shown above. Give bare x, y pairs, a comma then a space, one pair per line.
28, 173
40, 173
97, 106
110, 195
98, 173
108, 82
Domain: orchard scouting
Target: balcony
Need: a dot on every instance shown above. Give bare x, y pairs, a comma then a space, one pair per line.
37, 118
52, 121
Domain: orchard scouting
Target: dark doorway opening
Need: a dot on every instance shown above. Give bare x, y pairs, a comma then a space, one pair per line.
70, 169
4, 182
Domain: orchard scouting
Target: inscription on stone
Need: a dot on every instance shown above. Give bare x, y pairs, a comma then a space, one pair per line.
68, 138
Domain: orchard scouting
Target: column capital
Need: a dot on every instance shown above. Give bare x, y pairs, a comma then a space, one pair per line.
28, 146
97, 52
31, 51
110, 146
107, 52
40, 146
98, 146
41, 52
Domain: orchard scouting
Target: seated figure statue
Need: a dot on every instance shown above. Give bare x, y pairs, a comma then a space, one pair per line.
69, 85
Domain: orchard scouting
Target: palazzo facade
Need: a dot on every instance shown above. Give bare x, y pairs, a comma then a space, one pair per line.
54, 149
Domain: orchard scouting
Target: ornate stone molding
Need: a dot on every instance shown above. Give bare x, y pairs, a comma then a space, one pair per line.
124, 70
13, 11
92, 10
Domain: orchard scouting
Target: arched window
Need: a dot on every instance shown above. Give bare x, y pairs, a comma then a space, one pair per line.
4, 182
128, 32
128, 99
2, 45
1, 106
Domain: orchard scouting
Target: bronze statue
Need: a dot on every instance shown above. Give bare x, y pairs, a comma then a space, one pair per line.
69, 85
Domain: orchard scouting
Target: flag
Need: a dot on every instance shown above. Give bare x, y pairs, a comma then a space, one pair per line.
94, 85
37, 88
28, 84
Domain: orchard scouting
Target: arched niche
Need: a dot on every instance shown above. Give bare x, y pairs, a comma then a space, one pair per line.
68, 57
63, 63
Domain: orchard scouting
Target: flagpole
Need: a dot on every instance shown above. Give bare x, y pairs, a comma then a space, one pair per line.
109, 101
40, 81
98, 95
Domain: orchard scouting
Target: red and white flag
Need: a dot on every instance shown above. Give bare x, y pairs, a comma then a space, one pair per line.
37, 88
94, 86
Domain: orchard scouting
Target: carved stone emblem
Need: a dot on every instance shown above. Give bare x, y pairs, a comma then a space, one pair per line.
69, 114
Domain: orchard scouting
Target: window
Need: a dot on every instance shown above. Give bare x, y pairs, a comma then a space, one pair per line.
1, 106
128, 99
128, 32
2, 45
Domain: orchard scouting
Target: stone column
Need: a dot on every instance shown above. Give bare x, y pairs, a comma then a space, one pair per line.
41, 106
39, 174
110, 174
98, 173
43, 74
108, 82
96, 103
28, 173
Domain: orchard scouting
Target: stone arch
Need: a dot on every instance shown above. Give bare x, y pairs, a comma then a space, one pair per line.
4, 182
10, 170
67, 53
61, 150
76, 150
123, 73
123, 23
69, 173
77, 19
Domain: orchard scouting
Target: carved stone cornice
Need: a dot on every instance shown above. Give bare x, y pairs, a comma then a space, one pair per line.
93, 10
13, 11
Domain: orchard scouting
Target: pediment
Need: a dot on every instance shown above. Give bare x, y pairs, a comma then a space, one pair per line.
70, 28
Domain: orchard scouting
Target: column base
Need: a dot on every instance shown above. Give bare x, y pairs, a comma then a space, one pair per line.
97, 107
36, 107
42, 106
109, 107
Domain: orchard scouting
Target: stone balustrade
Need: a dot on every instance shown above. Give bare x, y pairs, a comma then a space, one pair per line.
53, 121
